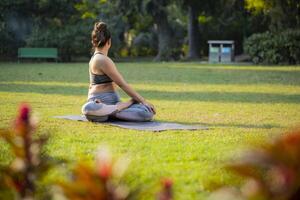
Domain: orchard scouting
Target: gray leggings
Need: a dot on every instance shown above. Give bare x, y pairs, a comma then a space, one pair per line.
136, 112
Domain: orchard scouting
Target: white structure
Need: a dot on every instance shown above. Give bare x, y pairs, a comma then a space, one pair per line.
221, 51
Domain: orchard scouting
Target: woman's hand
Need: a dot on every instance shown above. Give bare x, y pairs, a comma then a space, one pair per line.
124, 105
150, 106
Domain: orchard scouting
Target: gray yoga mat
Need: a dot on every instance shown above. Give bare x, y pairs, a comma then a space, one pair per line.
144, 126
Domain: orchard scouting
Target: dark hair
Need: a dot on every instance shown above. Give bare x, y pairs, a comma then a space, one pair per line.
100, 35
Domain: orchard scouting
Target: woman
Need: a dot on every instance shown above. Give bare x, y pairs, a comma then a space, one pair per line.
103, 99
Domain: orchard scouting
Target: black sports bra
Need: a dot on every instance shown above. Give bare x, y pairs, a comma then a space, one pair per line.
99, 78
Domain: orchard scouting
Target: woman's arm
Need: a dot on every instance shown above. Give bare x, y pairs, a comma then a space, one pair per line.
109, 68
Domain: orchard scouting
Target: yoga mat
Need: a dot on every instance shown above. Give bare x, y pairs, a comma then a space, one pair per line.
143, 126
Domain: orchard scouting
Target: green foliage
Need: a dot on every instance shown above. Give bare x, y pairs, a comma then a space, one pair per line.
70, 39
225, 20
53, 21
144, 44
274, 48
283, 13
66, 24
257, 5
8, 41
14, 24
108, 12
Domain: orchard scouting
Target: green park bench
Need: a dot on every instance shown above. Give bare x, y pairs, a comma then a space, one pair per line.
38, 53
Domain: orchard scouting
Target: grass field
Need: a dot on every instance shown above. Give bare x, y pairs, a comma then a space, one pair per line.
241, 105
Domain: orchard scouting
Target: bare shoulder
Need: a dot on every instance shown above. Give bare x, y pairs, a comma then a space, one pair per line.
99, 62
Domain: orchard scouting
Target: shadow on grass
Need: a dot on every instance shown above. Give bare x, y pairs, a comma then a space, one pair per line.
235, 97
153, 73
210, 75
44, 89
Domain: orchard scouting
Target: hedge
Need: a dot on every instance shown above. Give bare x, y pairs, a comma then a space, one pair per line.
274, 48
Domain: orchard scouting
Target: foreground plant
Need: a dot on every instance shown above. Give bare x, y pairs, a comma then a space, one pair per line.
270, 172
99, 182
29, 164
166, 192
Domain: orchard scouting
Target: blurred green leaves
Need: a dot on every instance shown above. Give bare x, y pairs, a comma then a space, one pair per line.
274, 48
257, 5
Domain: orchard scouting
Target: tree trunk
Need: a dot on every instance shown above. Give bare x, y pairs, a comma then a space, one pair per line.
193, 33
164, 36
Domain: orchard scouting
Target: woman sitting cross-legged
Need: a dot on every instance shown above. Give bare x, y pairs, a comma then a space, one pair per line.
103, 99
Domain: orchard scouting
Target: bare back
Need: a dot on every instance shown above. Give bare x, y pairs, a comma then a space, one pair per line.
96, 64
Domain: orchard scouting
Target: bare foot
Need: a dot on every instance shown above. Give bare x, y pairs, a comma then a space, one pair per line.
124, 105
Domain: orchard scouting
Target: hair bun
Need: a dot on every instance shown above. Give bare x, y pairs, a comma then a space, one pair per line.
100, 26
100, 34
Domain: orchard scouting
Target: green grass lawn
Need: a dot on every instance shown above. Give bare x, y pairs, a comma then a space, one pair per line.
241, 105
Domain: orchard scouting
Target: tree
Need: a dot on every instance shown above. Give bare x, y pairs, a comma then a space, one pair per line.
283, 13
193, 33
158, 11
